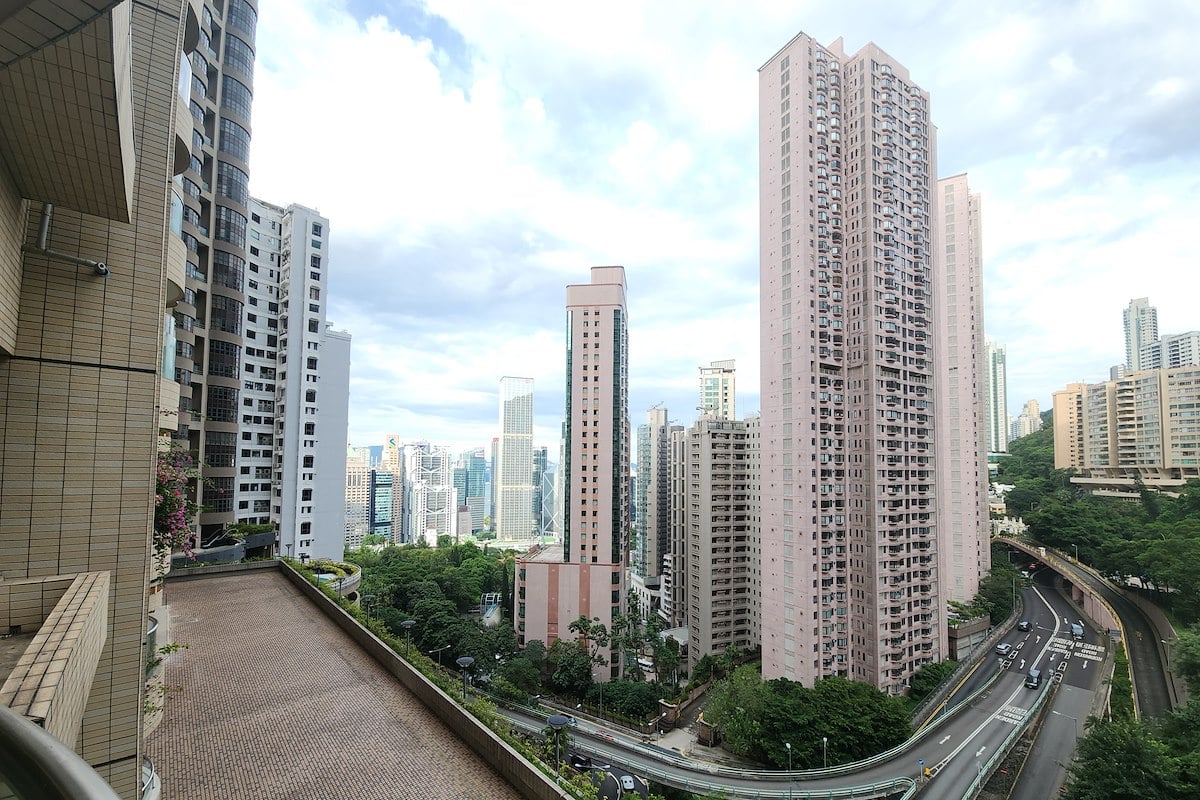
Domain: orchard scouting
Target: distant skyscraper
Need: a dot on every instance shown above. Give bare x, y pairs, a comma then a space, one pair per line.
358, 496
430, 502
847, 161
1141, 328
718, 389
964, 547
543, 492
653, 524
514, 460
470, 481
995, 394
586, 575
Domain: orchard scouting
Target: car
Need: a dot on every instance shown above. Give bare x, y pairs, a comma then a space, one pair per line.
1004, 648
580, 761
627, 784
1024, 625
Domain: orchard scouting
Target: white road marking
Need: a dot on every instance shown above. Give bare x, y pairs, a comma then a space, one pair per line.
944, 739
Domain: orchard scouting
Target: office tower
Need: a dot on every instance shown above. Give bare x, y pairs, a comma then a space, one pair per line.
1141, 328
470, 481
492, 467
543, 493
1139, 429
383, 488
718, 389
995, 396
514, 461
1174, 350
216, 213
717, 533
849, 539
430, 502
585, 575
294, 397
652, 528
92, 131
1030, 420
358, 496
964, 550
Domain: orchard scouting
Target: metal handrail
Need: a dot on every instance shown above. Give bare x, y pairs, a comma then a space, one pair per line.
36, 766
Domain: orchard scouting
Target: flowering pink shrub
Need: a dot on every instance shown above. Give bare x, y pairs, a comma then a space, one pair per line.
174, 510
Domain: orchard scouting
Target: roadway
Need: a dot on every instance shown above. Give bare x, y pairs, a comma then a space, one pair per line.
955, 748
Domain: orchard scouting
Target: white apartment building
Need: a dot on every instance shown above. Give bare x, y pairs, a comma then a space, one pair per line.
847, 165
995, 394
718, 389
653, 526
296, 385
1141, 329
513, 518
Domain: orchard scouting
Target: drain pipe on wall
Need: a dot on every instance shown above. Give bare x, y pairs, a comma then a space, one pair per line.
98, 267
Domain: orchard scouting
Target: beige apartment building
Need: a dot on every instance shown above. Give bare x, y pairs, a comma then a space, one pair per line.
1142, 428
715, 563
584, 575
964, 532
92, 131
847, 167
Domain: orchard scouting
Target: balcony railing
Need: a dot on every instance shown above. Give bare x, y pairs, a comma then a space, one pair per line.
33, 764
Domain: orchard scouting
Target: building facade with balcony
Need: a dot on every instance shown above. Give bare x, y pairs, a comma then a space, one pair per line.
91, 267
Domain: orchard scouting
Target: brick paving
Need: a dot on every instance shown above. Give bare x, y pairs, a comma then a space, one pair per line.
276, 702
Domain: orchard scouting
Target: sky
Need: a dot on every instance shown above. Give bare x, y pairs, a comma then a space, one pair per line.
476, 156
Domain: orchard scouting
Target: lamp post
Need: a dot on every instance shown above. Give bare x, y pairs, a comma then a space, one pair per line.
367, 600
1167, 653
1073, 719
788, 745
1076, 552
825, 752
408, 626
464, 664
557, 722
439, 650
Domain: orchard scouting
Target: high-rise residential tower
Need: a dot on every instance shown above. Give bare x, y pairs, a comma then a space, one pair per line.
1141, 328
514, 461
849, 535
995, 396
1030, 420
964, 548
1172, 350
718, 389
216, 212
585, 576
295, 385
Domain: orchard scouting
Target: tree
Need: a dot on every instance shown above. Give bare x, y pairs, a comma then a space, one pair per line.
571, 668
1122, 760
928, 678
1186, 657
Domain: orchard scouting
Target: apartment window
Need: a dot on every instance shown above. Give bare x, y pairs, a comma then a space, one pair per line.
316, 228
308, 461
310, 428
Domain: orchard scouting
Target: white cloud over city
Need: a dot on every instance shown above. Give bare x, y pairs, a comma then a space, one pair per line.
475, 157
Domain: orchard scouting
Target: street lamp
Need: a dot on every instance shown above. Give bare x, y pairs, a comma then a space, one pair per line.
1073, 719
439, 650
788, 745
408, 626
825, 752
367, 600
464, 664
558, 722
1076, 552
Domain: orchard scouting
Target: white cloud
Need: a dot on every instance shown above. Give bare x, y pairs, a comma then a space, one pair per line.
476, 157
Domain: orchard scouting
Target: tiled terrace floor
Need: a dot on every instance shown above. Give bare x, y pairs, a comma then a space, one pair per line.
277, 703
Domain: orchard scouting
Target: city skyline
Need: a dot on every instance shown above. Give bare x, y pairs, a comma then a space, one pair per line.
582, 147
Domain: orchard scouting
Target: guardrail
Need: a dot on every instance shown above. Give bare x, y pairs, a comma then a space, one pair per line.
33, 764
